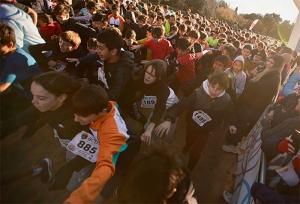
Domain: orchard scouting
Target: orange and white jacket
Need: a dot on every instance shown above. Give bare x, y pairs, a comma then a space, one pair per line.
112, 134
117, 21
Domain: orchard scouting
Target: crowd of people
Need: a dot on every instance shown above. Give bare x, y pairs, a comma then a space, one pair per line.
81, 68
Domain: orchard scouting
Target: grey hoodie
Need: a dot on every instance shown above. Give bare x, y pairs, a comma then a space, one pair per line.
26, 32
238, 79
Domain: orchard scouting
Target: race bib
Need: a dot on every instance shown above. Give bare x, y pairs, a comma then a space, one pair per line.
148, 101
289, 175
57, 66
84, 145
63, 142
101, 77
200, 117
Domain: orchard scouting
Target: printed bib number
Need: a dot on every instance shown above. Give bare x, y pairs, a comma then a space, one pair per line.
201, 117
289, 175
148, 101
57, 66
101, 77
84, 145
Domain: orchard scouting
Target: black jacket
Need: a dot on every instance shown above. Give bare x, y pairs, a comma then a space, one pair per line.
258, 95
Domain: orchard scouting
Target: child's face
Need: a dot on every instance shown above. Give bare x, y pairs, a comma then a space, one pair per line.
245, 53
256, 58
192, 39
92, 11
172, 32
98, 25
149, 77
40, 23
85, 120
181, 32
270, 63
44, 100
149, 35
128, 20
141, 23
237, 66
219, 66
65, 46
114, 12
62, 19
128, 41
214, 90
151, 21
92, 50
103, 51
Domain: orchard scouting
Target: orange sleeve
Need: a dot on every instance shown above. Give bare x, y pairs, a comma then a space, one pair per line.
121, 24
112, 143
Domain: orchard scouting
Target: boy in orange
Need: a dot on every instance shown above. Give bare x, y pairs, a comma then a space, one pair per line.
112, 144
115, 19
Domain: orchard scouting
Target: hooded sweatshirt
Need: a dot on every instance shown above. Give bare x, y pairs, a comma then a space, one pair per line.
200, 100
238, 79
118, 76
25, 31
133, 25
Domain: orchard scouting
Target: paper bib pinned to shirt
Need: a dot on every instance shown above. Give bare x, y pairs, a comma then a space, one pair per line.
84, 145
200, 117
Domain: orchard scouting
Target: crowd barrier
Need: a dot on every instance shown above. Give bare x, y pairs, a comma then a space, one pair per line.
252, 162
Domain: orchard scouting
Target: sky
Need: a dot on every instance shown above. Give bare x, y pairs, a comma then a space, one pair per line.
285, 8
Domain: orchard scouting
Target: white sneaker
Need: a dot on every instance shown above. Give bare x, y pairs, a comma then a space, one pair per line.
227, 197
230, 148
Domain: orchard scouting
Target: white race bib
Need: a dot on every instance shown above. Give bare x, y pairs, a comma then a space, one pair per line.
63, 142
101, 77
200, 117
84, 145
288, 174
148, 101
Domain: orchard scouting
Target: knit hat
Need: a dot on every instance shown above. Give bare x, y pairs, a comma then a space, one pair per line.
265, 194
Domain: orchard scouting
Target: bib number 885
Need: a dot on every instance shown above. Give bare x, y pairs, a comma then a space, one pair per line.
86, 147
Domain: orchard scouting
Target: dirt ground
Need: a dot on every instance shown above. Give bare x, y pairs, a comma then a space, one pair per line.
212, 175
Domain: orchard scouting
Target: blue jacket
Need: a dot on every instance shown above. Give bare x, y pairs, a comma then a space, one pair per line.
288, 88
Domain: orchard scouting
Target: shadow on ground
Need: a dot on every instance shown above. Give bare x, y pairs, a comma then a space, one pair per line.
212, 175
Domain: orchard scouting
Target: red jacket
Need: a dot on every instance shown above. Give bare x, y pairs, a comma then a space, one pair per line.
50, 30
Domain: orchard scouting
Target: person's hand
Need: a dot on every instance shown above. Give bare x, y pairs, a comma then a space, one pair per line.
180, 94
73, 60
286, 146
135, 47
254, 72
146, 137
84, 81
167, 57
198, 55
291, 148
270, 115
54, 37
163, 128
232, 129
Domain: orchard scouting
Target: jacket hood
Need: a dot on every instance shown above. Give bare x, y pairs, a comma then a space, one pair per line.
8, 11
130, 15
239, 58
206, 89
